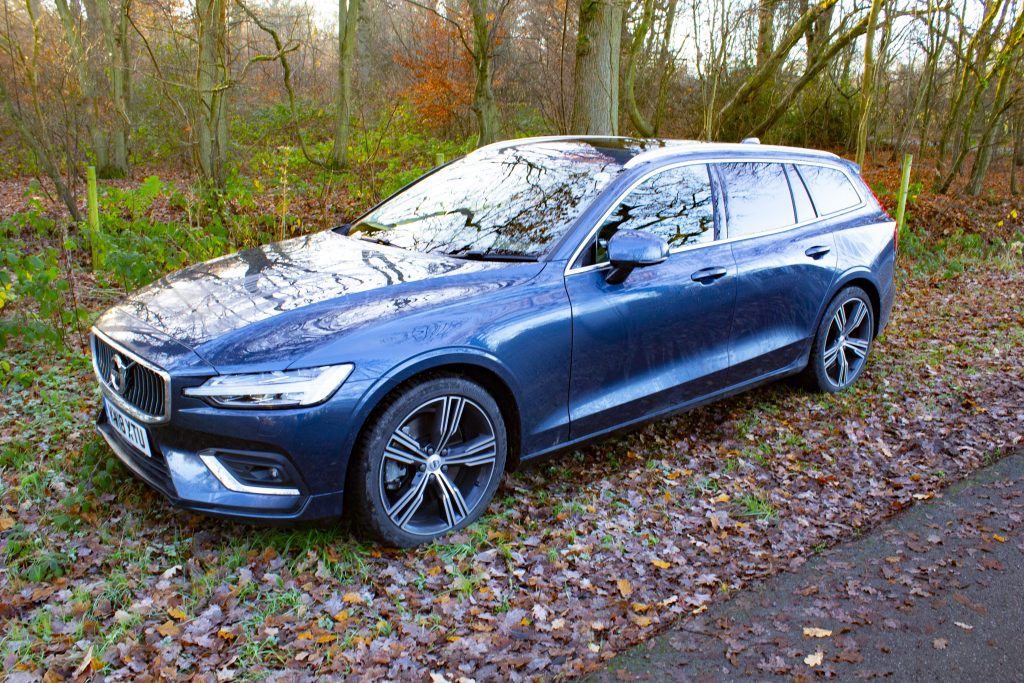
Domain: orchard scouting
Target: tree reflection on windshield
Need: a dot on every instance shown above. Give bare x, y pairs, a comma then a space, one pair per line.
515, 201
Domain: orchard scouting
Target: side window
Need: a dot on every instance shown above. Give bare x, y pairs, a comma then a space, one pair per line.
802, 200
831, 189
757, 198
675, 204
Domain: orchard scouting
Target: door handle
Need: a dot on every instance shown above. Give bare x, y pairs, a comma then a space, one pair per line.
708, 275
817, 252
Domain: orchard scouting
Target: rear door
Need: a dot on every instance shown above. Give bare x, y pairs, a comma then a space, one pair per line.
661, 337
785, 262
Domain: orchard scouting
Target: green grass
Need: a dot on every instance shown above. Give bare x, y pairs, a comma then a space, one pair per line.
704, 486
756, 506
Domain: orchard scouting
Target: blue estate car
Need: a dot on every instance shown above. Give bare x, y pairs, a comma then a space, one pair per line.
528, 297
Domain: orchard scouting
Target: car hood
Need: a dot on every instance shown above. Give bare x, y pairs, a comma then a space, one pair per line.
209, 306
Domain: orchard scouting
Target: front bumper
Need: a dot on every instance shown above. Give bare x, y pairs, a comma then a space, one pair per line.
187, 482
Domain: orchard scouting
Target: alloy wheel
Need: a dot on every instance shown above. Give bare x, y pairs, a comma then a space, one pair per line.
437, 465
847, 342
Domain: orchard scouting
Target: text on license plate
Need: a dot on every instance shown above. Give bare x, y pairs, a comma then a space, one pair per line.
132, 431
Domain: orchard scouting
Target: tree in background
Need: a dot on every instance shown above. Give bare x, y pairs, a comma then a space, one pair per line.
988, 61
480, 40
766, 70
595, 103
100, 49
486, 17
32, 57
665, 66
439, 78
212, 85
867, 87
148, 83
348, 23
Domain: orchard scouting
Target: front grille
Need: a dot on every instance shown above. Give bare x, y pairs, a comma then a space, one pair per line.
137, 385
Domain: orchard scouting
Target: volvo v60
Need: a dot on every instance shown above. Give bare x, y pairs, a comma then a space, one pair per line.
528, 297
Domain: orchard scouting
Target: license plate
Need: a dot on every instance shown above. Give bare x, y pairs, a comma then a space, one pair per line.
129, 429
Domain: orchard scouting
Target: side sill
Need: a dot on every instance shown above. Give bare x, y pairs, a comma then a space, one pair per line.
790, 369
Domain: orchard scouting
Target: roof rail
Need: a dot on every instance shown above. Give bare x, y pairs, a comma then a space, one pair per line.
671, 149
727, 147
750, 141
515, 142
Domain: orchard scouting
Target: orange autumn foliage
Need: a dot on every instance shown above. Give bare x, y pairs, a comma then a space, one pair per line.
442, 74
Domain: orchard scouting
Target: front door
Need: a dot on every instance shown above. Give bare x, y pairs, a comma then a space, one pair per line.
661, 338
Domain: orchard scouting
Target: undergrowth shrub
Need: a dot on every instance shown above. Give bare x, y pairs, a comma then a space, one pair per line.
38, 300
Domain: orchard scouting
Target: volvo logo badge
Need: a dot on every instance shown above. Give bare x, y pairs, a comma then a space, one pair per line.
118, 377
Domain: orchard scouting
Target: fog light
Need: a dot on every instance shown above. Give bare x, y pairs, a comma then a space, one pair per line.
249, 473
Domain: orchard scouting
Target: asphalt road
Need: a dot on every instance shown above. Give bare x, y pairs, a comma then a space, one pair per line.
933, 594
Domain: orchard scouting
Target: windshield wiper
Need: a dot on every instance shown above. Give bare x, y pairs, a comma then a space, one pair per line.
479, 255
375, 240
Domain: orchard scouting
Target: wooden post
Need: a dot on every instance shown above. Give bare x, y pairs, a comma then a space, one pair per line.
901, 207
92, 199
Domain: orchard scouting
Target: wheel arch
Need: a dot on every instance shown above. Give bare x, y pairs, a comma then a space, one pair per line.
472, 365
856, 278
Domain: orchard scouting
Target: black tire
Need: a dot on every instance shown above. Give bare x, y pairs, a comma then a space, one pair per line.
403, 490
825, 370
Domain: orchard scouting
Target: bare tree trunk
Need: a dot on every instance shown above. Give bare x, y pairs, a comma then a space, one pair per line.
936, 40
212, 85
822, 61
765, 46
486, 16
882, 87
666, 65
100, 51
970, 63
988, 140
922, 98
348, 20
817, 33
639, 121
485, 28
595, 109
120, 85
765, 30
89, 105
1000, 67
867, 87
1017, 161
771, 65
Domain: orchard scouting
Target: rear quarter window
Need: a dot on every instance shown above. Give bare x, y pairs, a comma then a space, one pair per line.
831, 190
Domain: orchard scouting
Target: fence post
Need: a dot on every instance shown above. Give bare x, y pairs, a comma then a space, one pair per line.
439, 159
92, 200
901, 207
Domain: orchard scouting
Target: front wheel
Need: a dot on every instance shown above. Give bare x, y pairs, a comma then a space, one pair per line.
429, 464
842, 343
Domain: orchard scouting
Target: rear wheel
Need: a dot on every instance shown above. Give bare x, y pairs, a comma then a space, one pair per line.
429, 464
842, 343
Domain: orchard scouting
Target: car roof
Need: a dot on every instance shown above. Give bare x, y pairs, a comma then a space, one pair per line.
633, 151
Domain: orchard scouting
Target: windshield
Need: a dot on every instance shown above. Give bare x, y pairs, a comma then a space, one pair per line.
507, 202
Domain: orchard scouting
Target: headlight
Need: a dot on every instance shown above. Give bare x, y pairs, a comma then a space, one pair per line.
278, 389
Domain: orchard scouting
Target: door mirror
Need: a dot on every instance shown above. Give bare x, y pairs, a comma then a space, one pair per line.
629, 249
